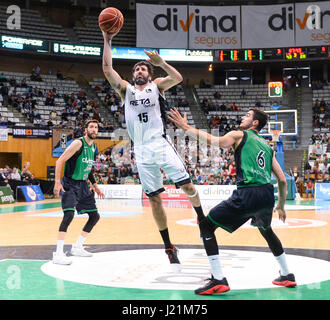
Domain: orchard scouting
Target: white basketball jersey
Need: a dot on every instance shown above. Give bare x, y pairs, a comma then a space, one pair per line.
144, 114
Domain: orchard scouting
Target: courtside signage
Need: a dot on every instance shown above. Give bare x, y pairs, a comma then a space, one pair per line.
118, 191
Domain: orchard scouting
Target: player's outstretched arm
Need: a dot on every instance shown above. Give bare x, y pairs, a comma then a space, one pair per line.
115, 80
173, 78
230, 139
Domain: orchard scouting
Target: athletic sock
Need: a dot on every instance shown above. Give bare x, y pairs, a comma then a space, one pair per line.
216, 267
59, 247
166, 238
80, 241
281, 259
200, 213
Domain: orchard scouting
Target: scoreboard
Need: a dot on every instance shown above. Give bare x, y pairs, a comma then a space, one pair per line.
255, 55
275, 89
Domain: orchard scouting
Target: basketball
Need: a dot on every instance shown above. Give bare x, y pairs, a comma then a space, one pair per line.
111, 20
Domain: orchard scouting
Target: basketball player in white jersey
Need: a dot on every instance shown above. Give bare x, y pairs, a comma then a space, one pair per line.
145, 120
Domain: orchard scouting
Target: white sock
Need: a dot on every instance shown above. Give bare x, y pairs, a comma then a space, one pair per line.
283, 265
216, 267
80, 241
60, 246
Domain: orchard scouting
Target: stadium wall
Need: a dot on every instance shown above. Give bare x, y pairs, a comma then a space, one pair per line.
39, 152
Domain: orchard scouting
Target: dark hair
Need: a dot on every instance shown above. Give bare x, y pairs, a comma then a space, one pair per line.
261, 116
90, 121
144, 63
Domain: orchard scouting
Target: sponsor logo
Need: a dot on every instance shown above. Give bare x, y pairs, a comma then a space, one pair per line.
149, 269
89, 161
141, 102
169, 22
313, 19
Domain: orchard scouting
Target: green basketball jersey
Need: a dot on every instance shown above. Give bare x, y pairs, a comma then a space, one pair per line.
79, 166
253, 159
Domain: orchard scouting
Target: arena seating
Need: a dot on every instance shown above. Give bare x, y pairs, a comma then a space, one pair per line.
90, 33
33, 25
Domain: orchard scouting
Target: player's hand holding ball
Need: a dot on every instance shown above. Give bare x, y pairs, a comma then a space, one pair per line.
111, 21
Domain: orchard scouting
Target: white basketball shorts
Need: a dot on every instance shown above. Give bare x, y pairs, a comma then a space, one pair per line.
156, 155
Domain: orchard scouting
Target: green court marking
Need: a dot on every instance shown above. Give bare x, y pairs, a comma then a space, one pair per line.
24, 280
30, 207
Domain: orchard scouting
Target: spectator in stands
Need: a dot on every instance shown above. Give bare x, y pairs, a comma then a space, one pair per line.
3, 78
59, 75
112, 179
318, 149
257, 103
307, 169
296, 175
15, 175
234, 107
4, 92
326, 178
217, 95
310, 188
243, 93
3, 177
223, 107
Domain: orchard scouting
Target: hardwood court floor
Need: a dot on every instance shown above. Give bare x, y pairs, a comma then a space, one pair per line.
127, 233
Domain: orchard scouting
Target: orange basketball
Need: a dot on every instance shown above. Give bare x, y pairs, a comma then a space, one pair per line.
111, 20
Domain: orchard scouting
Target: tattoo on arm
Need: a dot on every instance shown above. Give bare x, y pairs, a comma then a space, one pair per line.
118, 86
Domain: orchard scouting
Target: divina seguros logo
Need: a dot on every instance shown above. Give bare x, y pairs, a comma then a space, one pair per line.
312, 20
283, 20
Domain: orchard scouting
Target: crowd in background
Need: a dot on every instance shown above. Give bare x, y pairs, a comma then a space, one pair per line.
8, 175
205, 164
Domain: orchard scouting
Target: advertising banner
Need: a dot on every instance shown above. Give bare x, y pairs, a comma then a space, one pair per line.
121, 191
6, 195
312, 23
161, 26
209, 192
30, 193
171, 192
322, 191
3, 133
215, 192
214, 27
23, 132
268, 26
62, 138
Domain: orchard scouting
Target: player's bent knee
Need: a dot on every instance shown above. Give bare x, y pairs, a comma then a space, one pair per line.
94, 217
67, 218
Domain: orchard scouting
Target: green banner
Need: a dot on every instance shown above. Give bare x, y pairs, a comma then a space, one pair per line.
6, 195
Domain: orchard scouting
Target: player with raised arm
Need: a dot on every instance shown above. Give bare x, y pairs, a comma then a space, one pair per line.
253, 199
145, 116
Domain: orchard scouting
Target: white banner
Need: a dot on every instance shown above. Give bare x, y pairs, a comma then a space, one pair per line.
3, 134
121, 191
214, 27
268, 26
160, 26
215, 192
312, 23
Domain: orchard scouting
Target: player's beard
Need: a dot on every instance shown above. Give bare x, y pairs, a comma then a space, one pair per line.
140, 80
91, 136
